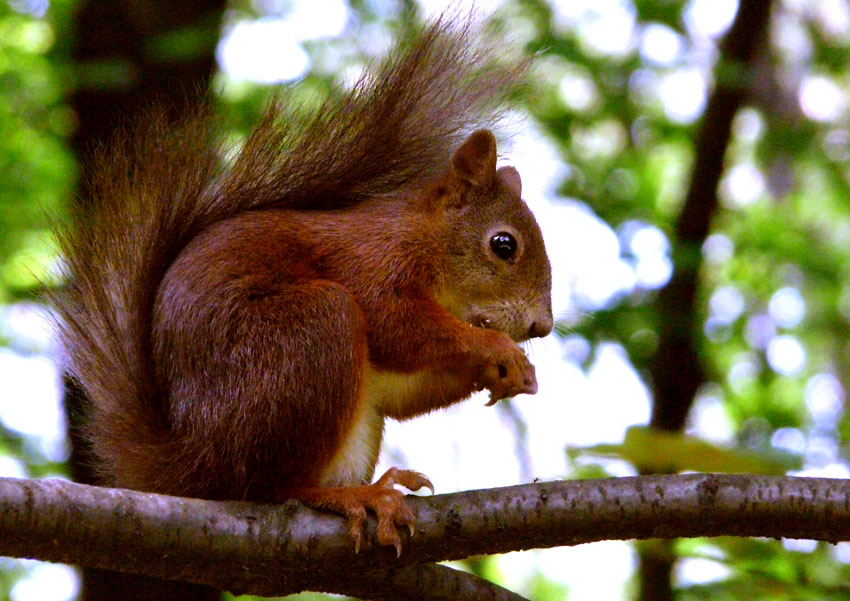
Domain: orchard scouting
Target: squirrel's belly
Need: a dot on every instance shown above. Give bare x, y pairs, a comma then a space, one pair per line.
354, 462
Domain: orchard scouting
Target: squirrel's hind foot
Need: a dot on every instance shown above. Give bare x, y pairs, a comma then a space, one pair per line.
381, 498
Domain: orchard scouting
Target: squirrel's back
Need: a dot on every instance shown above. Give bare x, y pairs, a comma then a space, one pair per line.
155, 190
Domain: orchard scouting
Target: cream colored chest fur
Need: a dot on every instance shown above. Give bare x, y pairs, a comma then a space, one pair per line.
354, 462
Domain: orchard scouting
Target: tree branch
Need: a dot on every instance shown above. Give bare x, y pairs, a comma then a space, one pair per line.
428, 582
276, 550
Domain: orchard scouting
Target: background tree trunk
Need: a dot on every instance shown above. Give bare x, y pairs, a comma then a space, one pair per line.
677, 369
130, 54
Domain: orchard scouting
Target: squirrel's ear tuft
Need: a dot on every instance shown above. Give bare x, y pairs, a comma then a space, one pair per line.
509, 178
474, 163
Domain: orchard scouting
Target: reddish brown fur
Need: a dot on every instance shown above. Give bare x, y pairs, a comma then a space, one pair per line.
236, 330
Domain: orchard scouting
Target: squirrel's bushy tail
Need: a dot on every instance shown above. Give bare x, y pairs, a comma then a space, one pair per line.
153, 192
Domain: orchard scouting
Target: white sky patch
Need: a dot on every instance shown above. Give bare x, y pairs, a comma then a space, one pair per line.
748, 125
791, 38
660, 45
36, 8
611, 29
576, 567
821, 99
708, 419
578, 91
29, 325
265, 37
787, 307
464, 447
825, 399
269, 50
432, 8
691, 571
651, 249
553, 415
30, 402
317, 19
833, 16
586, 258
604, 26
572, 566
653, 271
726, 304
840, 551
47, 582
602, 274
472, 446
12, 468
834, 469
800, 545
718, 248
617, 398
789, 439
710, 18
786, 355
742, 186
683, 94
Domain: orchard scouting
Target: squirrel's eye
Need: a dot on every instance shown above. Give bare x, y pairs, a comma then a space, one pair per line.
503, 245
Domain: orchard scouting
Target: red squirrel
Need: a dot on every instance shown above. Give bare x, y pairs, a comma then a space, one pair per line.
244, 325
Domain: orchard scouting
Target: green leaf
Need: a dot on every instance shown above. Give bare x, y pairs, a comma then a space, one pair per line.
651, 450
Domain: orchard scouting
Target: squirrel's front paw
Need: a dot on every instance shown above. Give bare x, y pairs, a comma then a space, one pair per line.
507, 371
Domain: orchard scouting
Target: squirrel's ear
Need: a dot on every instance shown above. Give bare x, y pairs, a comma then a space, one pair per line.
474, 163
510, 179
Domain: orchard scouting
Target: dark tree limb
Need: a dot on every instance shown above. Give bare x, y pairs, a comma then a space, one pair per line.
276, 550
426, 582
676, 370
128, 56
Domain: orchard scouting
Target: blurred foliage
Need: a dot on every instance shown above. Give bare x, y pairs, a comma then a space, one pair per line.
37, 174
10, 572
775, 289
37, 170
655, 451
775, 280
760, 569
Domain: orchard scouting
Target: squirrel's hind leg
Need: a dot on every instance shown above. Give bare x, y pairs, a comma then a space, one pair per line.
309, 352
266, 403
275, 406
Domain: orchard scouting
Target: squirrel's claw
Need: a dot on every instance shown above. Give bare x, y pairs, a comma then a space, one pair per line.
381, 498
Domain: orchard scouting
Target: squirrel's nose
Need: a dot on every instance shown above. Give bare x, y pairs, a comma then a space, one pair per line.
541, 327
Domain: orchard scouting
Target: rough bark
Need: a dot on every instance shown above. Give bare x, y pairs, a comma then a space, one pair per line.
277, 550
